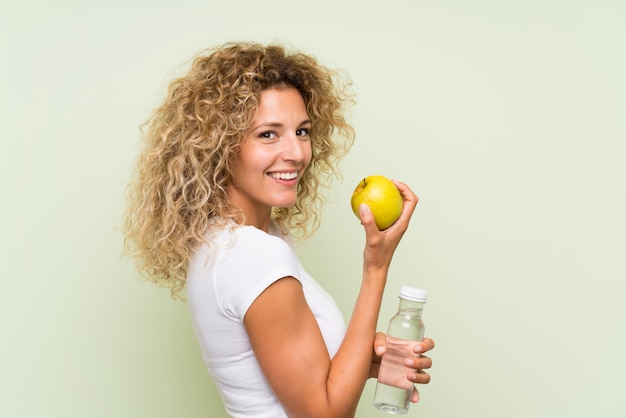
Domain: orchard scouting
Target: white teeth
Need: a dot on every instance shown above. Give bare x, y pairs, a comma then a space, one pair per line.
284, 176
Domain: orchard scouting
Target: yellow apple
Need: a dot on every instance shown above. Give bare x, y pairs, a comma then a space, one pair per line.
382, 197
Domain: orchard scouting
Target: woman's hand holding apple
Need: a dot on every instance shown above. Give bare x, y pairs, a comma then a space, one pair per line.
380, 245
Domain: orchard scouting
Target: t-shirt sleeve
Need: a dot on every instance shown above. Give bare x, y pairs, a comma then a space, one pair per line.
248, 267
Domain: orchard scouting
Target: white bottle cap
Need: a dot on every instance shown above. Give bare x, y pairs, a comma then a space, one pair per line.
413, 293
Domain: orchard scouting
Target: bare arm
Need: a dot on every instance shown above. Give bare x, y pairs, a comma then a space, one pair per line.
288, 343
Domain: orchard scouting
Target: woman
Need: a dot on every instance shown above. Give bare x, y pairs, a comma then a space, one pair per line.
231, 167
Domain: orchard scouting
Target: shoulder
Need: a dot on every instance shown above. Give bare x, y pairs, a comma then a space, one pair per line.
250, 248
224, 242
247, 263
241, 250
229, 236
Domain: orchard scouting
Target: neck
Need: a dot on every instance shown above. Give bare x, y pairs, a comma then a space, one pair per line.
262, 224
254, 215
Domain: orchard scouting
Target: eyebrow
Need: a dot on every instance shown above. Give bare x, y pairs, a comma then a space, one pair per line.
279, 125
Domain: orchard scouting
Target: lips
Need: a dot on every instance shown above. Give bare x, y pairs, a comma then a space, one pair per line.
284, 175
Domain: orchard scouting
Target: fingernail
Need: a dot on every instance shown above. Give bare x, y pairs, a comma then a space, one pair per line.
380, 350
417, 348
363, 208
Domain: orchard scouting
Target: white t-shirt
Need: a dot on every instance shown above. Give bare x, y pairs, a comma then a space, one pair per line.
222, 282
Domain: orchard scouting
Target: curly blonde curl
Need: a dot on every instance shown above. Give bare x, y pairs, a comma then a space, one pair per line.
189, 143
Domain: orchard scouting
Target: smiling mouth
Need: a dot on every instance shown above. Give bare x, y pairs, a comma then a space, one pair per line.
284, 176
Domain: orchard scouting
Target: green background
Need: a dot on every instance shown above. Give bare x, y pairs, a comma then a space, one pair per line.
508, 119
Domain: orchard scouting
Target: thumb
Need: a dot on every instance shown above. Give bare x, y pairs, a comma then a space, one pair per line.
379, 344
367, 218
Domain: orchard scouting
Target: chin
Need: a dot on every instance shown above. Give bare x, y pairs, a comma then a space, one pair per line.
286, 204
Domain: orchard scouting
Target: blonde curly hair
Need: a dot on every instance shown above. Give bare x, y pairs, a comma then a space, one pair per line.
189, 143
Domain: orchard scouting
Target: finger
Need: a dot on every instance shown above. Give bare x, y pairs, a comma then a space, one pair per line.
419, 376
410, 201
407, 194
422, 362
415, 396
426, 345
379, 343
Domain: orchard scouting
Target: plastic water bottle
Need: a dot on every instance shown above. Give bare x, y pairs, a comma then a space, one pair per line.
406, 329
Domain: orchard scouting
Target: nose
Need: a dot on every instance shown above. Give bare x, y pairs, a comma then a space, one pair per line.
295, 148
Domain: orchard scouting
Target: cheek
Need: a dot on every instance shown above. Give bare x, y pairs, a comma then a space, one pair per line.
247, 159
308, 153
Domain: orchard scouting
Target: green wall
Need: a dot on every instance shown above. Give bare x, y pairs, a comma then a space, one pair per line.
506, 117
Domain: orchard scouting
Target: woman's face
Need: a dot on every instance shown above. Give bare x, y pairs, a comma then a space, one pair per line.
273, 155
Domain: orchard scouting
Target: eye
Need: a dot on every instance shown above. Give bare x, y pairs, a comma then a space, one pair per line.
303, 132
267, 135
